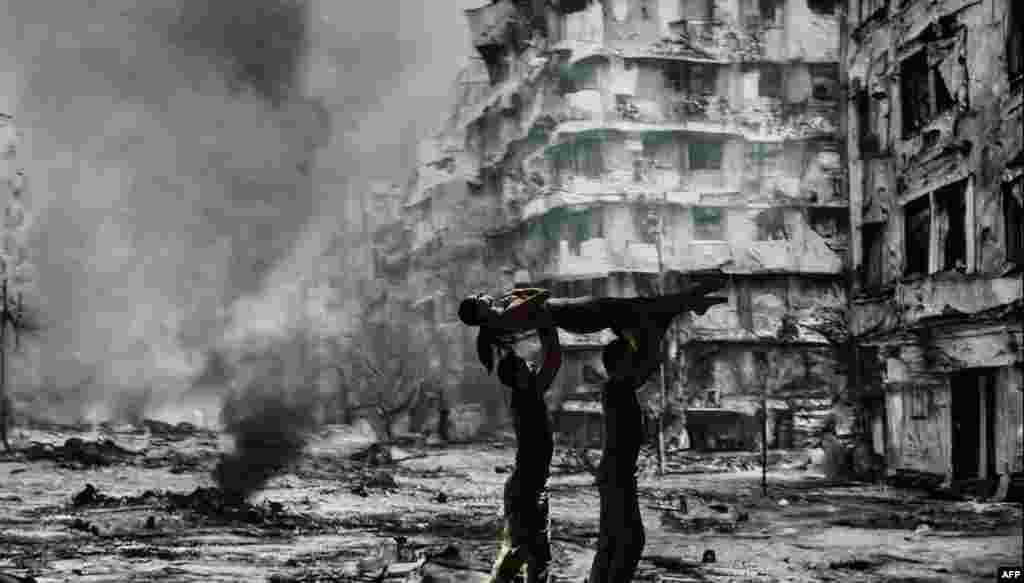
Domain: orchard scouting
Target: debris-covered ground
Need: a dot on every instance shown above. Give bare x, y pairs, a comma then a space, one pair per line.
126, 504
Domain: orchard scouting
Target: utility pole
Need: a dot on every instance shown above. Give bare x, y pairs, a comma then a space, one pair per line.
664, 347
762, 362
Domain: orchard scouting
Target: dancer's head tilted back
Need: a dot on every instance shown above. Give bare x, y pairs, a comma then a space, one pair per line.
473, 310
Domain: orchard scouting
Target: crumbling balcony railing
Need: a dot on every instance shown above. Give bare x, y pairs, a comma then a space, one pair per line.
713, 39
762, 117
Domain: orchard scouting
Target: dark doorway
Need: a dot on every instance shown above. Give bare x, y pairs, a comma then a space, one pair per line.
974, 420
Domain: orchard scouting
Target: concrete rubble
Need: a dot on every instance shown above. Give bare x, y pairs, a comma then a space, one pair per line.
144, 523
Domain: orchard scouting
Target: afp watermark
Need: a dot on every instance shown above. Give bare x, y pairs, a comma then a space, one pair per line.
1010, 574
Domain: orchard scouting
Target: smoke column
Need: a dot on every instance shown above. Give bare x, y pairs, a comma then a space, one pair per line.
190, 157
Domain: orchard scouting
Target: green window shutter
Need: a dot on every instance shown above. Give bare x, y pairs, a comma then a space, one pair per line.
705, 154
654, 137
582, 224
707, 216
758, 151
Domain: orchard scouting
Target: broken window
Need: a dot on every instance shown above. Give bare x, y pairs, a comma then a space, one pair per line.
771, 14
769, 82
824, 81
869, 117
766, 154
581, 156
646, 284
675, 77
873, 254
937, 221
951, 215
1015, 40
745, 304
571, 6
597, 222
562, 224
660, 149
917, 216
646, 160
1013, 217
920, 402
579, 227
831, 224
708, 223
580, 76
713, 398
640, 164
923, 92
696, 9
702, 78
691, 78
825, 7
771, 225
705, 156
760, 13
494, 57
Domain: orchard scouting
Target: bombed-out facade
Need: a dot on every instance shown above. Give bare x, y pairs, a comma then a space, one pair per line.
935, 174
595, 145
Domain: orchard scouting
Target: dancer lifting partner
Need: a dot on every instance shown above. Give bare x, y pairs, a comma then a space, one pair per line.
525, 538
640, 323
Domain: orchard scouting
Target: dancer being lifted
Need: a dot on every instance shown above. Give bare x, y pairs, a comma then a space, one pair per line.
640, 323
525, 538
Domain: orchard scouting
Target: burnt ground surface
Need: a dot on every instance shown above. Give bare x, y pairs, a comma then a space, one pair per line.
142, 507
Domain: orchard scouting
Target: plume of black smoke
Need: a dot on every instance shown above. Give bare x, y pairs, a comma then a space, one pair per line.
171, 152
270, 416
174, 154
267, 438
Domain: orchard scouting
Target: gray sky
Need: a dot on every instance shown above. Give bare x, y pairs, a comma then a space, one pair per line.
162, 194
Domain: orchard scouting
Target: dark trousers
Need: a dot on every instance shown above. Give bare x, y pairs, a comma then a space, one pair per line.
526, 537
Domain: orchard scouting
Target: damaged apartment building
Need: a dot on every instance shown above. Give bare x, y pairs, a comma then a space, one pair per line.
595, 144
936, 172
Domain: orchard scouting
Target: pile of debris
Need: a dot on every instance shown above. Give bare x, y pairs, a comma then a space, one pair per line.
399, 561
363, 471
77, 453
969, 517
175, 432
374, 455
477, 526
180, 463
692, 515
209, 504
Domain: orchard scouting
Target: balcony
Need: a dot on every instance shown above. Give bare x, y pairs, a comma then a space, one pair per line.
954, 295
711, 39
585, 105
761, 118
